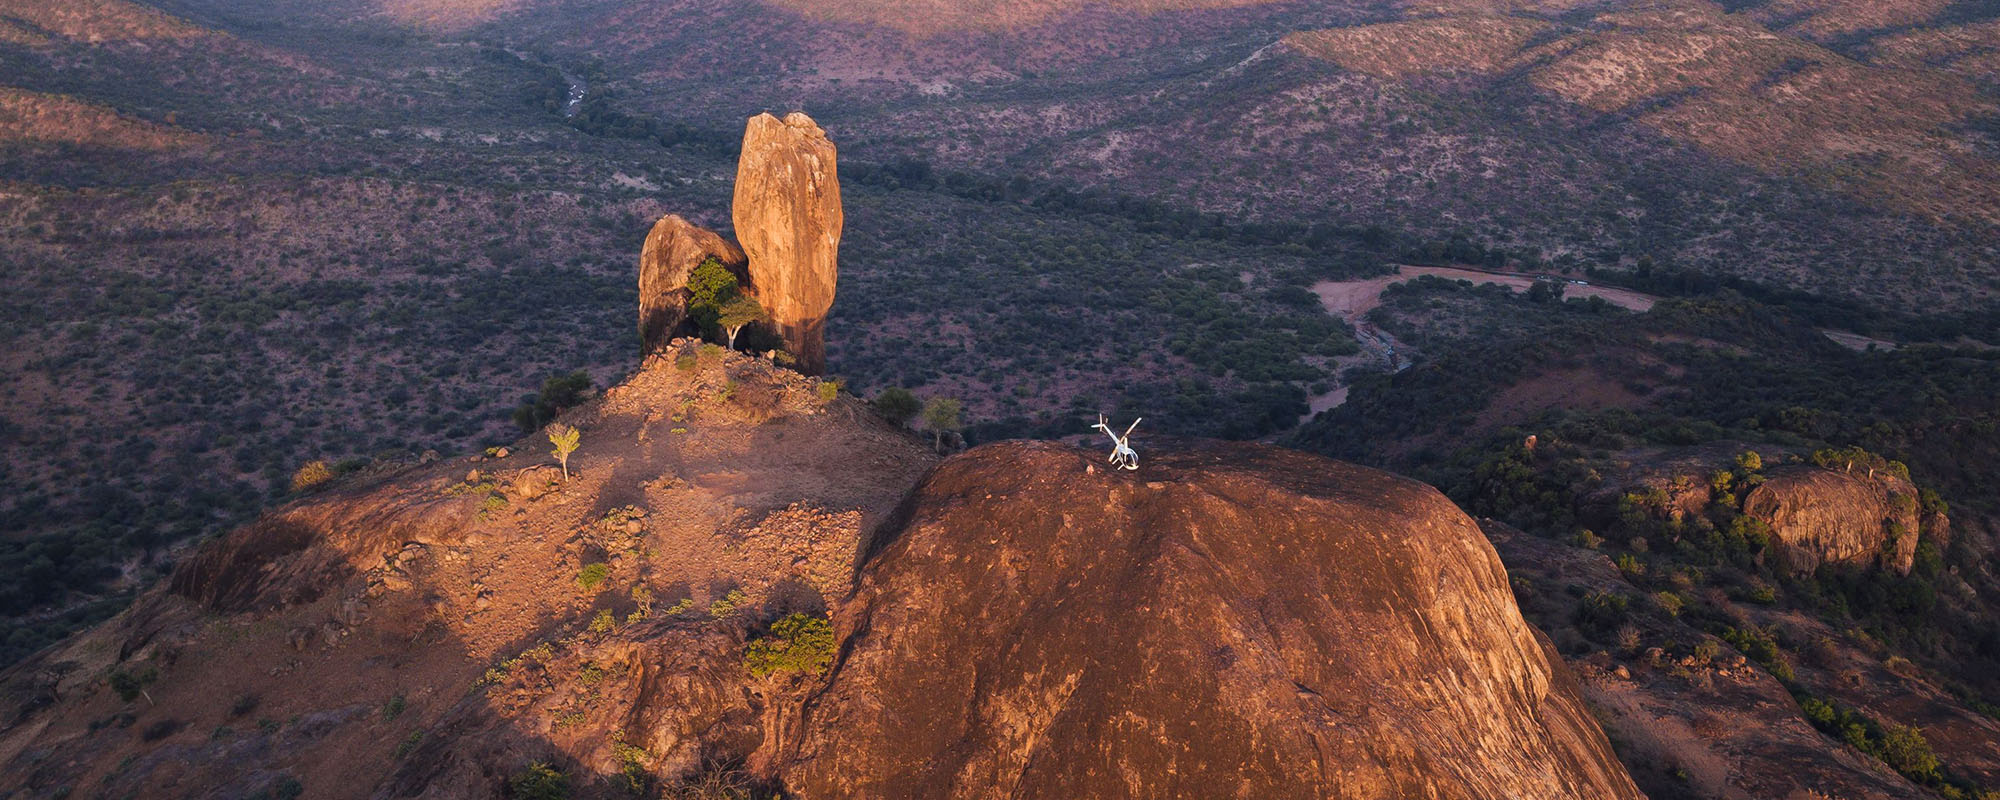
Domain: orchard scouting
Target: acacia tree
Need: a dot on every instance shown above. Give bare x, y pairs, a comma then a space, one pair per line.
942, 414
739, 311
565, 439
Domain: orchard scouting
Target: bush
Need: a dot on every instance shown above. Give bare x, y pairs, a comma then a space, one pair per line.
559, 393
897, 404
1905, 749
538, 781
129, 685
828, 389
727, 605
592, 576
1601, 614
797, 643
311, 476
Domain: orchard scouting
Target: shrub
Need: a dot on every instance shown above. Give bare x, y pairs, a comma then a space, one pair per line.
128, 685
1749, 461
897, 404
311, 476
829, 389
559, 393
538, 781
592, 576
727, 605
604, 622
1630, 565
632, 766
1905, 749
1600, 614
1762, 648
797, 643
394, 708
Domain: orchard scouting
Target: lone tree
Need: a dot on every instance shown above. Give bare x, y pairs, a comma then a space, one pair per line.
741, 310
940, 415
898, 405
564, 438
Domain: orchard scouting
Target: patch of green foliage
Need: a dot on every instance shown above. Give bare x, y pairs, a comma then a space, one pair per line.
798, 643
592, 576
727, 605
538, 781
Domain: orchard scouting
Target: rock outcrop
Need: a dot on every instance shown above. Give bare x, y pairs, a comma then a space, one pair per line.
788, 217
673, 249
1237, 620
1822, 516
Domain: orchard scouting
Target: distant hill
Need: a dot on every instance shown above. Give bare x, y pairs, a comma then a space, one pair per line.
36, 22
36, 118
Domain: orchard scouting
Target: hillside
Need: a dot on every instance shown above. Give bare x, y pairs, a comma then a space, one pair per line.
41, 22
1726, 84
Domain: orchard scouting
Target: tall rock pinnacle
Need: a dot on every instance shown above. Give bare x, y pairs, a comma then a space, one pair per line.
788, 217
673, 249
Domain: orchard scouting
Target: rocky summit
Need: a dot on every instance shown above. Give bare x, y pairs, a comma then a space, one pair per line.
1238, 621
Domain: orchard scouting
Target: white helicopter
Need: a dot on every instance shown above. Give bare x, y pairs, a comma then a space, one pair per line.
1122, 455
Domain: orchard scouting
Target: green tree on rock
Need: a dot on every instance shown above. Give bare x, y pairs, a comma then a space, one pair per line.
739, 311
710, 287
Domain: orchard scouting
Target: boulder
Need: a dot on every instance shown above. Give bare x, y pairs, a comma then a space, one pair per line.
788, 217
534, 482
673, 249
1824, 516
1232, 620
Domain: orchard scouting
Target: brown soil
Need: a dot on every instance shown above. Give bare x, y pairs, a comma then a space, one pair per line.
1571, 388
